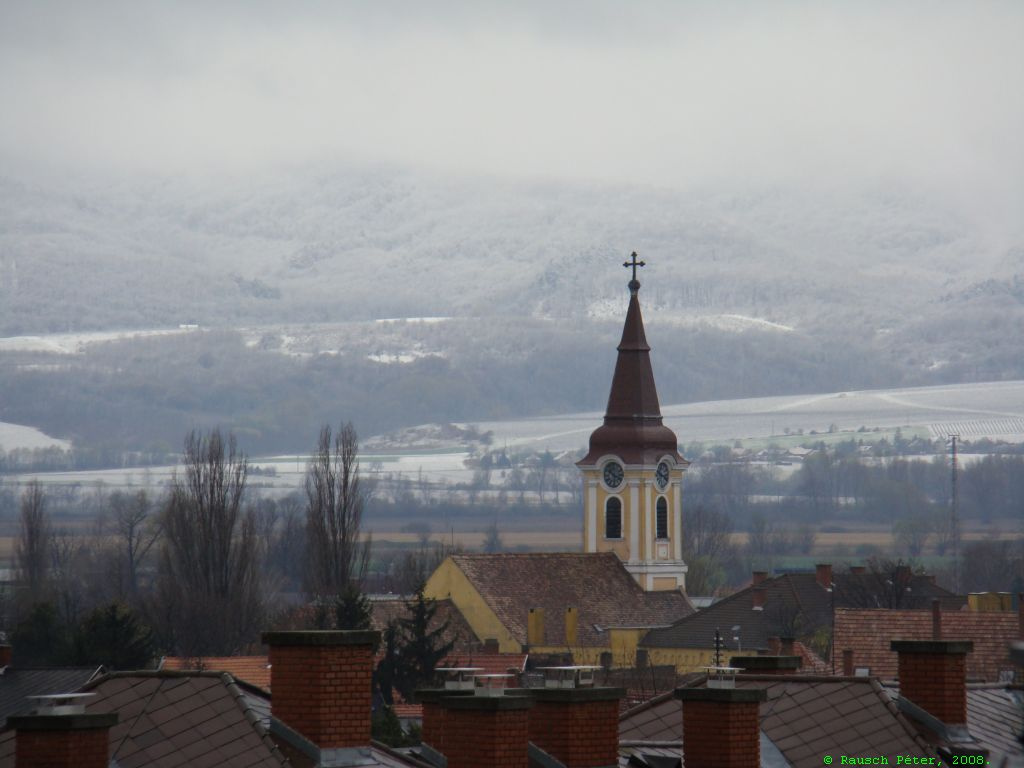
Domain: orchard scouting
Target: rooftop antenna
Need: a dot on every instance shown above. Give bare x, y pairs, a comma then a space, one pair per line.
954, 512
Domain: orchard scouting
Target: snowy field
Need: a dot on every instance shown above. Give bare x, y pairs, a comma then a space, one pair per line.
993, 410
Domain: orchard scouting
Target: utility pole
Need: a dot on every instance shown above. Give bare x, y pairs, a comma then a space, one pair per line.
954, 514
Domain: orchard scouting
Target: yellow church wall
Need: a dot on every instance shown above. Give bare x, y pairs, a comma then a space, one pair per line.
624, 644
449, 582
685, 660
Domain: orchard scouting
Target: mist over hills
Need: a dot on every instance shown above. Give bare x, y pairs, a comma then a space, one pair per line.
768, 291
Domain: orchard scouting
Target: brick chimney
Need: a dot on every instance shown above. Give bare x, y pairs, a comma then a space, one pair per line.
435, 715
848, 669
936, 619
933, 676
758, 595
76, 740
322, 686
487, 730
721, 726
787, 646
767, 665
6, 651
823, 574
578, 726
758, 576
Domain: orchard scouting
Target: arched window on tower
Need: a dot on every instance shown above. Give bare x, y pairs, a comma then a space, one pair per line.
662, 517
613, 518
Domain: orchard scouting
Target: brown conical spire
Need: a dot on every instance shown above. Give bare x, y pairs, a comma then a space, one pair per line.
633, 428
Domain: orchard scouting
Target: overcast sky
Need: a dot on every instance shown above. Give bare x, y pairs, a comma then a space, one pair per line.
656, 92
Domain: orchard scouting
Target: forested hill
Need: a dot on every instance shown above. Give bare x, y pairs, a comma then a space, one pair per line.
360, 244
766, 292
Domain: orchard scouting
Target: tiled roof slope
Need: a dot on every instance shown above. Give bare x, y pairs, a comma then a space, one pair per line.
868, 632
597, 584
16, 684
194, 720
996, 718
794, 604
254, 670
804, 717
169, 720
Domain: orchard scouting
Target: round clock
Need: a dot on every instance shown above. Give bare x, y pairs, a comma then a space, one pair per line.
613, 474
661, 475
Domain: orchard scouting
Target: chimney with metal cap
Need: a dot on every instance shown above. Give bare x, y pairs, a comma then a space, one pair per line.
489, 728
59, 733
574, 721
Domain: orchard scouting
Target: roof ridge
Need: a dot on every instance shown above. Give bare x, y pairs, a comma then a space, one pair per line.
886, 698
250, 715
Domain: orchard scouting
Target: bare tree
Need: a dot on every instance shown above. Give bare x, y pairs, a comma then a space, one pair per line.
137, 532
68, 555
211, 575
337, 556
32, 551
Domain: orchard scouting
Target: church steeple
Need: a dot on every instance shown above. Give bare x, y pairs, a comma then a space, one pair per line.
633, 425
632, 475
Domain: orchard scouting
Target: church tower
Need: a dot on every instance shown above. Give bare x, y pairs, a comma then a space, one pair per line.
633, 473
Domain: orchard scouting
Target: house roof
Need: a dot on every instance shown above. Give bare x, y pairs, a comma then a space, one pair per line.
633, 427
867, 633
254, 670
996, 718
17, 683
795, 604
804, 717
199, 719
597, 584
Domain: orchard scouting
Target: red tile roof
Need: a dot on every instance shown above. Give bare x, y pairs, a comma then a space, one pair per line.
170, 719
597, 584
805, 718
868, 631
794, 604
254, 670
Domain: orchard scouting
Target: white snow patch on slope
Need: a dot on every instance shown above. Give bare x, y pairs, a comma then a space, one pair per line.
75, 343
18, 436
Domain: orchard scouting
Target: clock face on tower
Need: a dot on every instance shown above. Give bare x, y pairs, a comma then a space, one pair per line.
661, 475
613, 474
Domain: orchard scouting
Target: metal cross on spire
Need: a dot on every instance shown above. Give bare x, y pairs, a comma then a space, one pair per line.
634, 283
